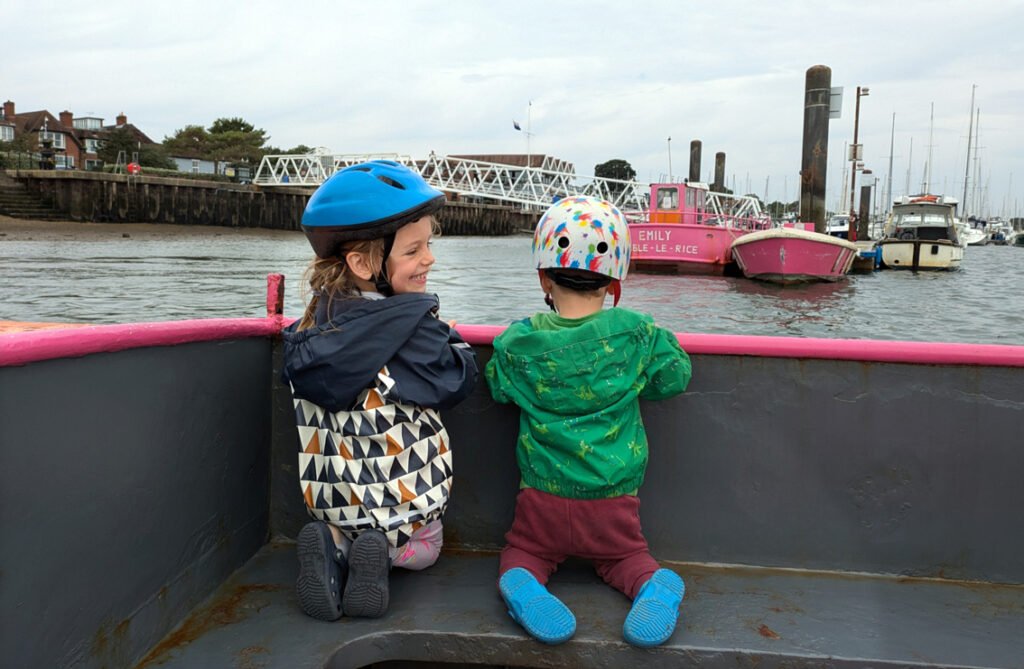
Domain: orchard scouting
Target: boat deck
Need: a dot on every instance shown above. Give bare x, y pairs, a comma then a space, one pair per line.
452, 614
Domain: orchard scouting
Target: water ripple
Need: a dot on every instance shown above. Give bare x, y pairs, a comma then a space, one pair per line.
152, 277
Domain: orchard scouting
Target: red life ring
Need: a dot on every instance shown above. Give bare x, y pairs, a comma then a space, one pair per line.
134, 168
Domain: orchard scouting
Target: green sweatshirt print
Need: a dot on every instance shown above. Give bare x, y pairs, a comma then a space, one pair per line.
578, 383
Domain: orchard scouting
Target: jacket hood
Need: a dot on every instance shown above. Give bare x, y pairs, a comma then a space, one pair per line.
331, 362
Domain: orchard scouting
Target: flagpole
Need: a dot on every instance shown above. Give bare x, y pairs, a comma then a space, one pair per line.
670, 159
529, 110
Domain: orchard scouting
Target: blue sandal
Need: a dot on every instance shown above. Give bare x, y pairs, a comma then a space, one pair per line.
530, 604
655, 610
322, 569
366, 592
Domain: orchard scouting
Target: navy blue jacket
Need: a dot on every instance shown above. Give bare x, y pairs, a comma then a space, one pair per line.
330, 363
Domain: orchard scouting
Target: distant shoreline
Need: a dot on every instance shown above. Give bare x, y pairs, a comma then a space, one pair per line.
21, 229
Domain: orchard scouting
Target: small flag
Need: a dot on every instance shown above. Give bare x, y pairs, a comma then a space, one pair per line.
515, 125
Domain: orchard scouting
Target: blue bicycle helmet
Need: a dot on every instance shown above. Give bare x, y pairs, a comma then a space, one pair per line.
366, 201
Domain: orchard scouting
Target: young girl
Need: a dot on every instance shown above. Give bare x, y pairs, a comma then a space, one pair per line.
369, 365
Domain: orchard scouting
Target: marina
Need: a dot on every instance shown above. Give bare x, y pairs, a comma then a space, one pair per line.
116, 273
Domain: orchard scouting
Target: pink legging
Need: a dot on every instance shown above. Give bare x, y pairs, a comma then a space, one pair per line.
547, 529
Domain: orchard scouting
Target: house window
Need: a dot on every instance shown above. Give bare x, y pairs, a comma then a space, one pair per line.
195, 166
6, 133
93, 164
57, 137
87, 123
92, 146
64, 161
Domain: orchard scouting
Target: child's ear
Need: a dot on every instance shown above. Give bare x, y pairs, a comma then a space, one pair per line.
545, 282
359, 263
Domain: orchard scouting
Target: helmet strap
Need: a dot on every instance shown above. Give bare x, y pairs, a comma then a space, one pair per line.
615, 288
380, 280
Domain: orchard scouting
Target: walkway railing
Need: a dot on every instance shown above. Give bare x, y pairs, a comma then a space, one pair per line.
534, 187
530, 187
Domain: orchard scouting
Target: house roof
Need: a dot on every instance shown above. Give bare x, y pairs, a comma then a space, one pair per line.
138, 134
34, 121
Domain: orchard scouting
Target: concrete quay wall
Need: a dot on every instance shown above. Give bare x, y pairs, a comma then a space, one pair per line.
117, 198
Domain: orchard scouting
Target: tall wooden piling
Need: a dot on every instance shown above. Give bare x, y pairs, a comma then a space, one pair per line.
695, 160
814, 162
864, 215
719, 184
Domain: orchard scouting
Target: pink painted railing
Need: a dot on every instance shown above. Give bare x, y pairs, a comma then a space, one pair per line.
27, 347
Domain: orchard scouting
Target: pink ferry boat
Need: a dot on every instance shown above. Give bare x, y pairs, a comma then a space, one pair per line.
689, 229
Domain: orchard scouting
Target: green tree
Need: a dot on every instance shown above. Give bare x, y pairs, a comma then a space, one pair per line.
192, 141
236, 140
122, 139
615, 169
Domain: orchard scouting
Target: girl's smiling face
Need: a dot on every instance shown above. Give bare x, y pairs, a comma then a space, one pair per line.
411, 258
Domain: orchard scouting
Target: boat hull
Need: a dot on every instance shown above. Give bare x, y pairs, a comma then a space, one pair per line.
920, 254
682, 248
788, 255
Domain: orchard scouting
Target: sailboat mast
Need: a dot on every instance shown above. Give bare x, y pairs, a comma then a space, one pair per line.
977, 169
967, 167
888, 185
910, 166
926, 185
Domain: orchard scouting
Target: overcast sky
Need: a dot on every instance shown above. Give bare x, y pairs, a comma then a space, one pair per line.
606, 79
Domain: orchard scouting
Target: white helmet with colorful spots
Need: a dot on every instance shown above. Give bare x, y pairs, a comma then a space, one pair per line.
583, 233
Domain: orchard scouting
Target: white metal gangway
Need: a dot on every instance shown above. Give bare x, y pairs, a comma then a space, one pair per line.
532, 188
535, 187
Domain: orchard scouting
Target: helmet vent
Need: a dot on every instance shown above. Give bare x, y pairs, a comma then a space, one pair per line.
563, 242
391, 182
602, 247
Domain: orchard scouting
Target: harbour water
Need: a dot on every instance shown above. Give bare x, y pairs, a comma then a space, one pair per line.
106, 273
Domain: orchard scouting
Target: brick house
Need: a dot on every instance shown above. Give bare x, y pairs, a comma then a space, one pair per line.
76, 140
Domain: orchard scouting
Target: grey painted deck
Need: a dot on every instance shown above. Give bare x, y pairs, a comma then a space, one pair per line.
732, 617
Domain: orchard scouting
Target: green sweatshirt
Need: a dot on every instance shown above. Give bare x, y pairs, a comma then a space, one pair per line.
578, 383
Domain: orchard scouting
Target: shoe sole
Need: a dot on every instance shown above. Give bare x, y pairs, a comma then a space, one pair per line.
648, 622
317, 585
542, 610
366, 592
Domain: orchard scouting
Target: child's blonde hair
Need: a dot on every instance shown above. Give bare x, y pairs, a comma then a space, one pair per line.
331, 278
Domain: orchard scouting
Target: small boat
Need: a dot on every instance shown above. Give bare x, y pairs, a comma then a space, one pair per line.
921, 234
689, 228
970, 236
838, 225
793, 255
999, 231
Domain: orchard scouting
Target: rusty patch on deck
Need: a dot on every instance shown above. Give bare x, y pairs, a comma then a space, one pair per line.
767, 632
225, 610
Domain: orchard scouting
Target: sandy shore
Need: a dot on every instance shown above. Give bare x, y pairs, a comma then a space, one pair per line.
20, 229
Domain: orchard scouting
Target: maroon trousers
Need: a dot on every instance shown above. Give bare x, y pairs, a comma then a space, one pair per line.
547, 529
